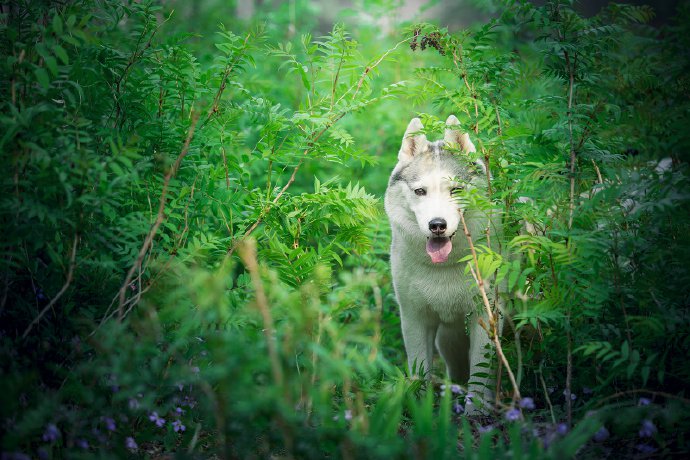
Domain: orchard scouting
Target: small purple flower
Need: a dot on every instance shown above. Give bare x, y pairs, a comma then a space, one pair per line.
485, 429
159, 421
130, 443
178, 426
562, 429
109, 424
348, 414
133, 404
455, 389
648, 429
527, 403
189, 402
645, 448
51, 434
457, 408
513, 414
179, 411
82, 444
644, 402
601, 435
195, 369
40, 295
573, 396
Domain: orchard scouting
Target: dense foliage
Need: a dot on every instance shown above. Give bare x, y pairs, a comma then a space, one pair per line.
194, 257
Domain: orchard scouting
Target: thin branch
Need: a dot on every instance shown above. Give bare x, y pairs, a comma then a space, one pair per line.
573, 166
596, 168
493, 324
268, 207
337, 75
368, 69
68, 281
225, 165
651, 392
223, 82
573, 158
546, 393
136, 54
569, 376
148, 241
311, 145
463, 74
248, 254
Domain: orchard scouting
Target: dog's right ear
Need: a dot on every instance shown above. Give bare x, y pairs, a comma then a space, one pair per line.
413, 142
454, 135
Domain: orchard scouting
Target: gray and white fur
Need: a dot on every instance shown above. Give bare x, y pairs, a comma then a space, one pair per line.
434, 293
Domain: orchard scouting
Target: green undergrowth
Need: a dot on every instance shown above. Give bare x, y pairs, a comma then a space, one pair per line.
194, 251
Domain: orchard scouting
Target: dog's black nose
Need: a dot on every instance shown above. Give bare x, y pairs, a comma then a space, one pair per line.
437, 226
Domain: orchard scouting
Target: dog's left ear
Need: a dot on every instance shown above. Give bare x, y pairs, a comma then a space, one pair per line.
453, 135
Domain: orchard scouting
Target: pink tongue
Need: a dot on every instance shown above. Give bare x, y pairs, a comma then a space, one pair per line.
438, 249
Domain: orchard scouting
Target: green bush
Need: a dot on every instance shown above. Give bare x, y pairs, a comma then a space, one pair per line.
194, 257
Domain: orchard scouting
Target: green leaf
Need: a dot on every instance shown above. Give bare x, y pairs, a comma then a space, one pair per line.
61, 54
57, 24
42, 77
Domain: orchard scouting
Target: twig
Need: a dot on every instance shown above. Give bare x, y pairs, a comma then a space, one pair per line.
148, 241
223, 81
337, 75
225, 165
651, 392
569, 376
368, 69
68, 281
546, 393
269, 206
248, 254
136, 54
573, 166
463, 74
487, 306
596, 168
573, 158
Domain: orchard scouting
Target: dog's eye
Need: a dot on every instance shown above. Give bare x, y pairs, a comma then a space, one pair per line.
456, 190
419, 191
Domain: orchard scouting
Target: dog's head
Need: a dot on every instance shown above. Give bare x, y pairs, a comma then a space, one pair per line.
421, 192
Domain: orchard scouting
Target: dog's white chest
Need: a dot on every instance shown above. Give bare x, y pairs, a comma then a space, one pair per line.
447, 291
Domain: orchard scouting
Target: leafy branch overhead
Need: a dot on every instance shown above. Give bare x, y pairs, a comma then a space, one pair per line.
194, 258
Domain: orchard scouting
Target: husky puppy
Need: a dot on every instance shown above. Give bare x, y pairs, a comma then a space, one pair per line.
435, 296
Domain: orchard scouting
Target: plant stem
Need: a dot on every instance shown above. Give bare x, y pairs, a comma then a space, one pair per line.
493, 324
160, 217
68, 281
248, 254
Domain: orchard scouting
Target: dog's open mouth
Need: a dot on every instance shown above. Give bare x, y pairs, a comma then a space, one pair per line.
438, 248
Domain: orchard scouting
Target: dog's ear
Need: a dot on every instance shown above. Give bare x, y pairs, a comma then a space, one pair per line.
413, 142
453, 135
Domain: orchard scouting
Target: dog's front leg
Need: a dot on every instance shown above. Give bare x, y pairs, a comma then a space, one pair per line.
480, 347
419, 332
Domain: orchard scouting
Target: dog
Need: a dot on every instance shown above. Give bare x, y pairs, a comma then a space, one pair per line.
437, 299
